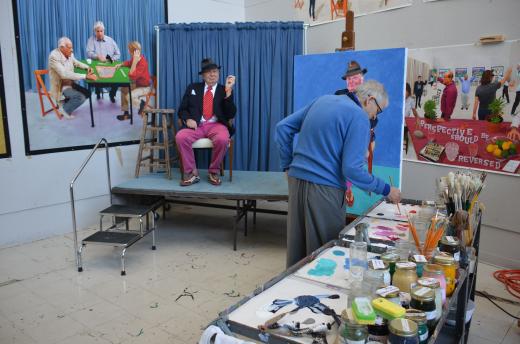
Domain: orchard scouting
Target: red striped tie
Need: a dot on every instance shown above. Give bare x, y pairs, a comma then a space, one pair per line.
207, 104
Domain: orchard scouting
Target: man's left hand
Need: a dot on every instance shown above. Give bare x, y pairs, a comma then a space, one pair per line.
513, 134
230, 82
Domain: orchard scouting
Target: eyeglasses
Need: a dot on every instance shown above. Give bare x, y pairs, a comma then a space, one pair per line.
379, 110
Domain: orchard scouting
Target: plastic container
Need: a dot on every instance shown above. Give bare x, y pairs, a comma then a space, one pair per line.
405, 275
387, 309
436, 271
403, 331
362, 311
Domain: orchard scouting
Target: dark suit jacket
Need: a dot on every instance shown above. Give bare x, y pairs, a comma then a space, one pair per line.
223, 108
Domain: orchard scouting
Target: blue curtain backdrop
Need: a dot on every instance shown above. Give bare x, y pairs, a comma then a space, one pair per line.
42, 23
260, 55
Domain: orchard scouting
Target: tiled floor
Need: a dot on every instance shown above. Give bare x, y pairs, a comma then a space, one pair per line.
48, 301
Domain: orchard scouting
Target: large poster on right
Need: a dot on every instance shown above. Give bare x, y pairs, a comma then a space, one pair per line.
465, 111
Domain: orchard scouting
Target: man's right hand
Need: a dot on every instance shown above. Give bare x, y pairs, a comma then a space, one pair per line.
190, 123
395, 195
91, 76
101, 58
513, 134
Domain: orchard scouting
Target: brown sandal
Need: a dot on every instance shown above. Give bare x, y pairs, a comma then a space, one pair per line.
190, 181
214, 179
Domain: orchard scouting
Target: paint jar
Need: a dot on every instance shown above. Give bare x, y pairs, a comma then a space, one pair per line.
419, 260
419, 317
390, 258
450, 244
436, 271
436, 286
405, 275
379, 331
447, 262
352, 332
423, 299
380, 270
358, 260
403, 331
391, 293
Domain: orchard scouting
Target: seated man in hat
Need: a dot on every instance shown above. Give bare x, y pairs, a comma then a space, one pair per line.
206, 110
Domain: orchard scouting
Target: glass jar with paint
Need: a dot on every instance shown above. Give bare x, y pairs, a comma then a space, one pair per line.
391, 293
403, 331
379, 269
451, 245
447, 262
423, 299
419, 317
390, 258
402, 248
405, 275
352, 333
379, 331
419, 260
436, 271
436, 287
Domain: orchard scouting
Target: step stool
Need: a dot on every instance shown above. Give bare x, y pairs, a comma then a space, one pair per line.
113, 236
153, 143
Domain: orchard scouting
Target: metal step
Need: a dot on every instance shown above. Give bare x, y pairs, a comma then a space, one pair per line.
128, 210
112, 238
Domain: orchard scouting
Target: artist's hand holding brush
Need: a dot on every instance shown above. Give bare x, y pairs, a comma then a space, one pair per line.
395, 195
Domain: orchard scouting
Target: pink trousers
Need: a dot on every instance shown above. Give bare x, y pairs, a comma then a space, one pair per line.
216, 132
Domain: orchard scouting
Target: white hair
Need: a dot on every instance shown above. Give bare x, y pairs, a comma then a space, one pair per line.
62, 42
99, 24
372, 88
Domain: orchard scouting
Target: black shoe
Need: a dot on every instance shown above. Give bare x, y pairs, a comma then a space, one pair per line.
141, 107
112, 98
98, 96
124, 116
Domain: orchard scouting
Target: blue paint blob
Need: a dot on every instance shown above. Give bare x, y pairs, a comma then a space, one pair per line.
324, 267
338, 253
347, 264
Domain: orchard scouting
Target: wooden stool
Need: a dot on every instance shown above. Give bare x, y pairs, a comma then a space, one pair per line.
154, 143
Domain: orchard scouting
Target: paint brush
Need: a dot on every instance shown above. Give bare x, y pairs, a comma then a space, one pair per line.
392, 184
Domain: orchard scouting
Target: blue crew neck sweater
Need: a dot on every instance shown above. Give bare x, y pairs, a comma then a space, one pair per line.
333, 136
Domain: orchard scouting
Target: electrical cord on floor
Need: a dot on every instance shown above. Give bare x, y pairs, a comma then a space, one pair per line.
487, 296
511, 279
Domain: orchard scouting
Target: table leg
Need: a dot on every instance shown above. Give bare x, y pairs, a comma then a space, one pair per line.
90, 103
131, 108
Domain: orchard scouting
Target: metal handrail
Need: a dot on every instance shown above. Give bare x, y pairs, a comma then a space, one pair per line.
77, 252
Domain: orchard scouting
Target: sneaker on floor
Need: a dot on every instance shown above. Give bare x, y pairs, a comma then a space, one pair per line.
113, 99
124, 116
64, 113
141, 107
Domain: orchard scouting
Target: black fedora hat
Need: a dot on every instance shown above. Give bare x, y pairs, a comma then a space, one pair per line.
207, 64
353, 68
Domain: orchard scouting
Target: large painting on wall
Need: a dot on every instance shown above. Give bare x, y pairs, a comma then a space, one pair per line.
320, 74
71, 99
318, 11
470, 136
5, 146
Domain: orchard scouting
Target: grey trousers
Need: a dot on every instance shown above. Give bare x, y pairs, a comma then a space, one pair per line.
74, 100
316, 215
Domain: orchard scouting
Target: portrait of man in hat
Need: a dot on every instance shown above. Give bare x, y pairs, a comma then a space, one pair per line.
205, 111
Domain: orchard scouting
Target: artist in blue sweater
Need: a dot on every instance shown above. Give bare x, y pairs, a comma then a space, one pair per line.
333, 136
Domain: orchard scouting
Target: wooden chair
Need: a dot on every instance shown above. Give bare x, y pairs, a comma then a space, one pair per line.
42, 91
152, 93
206, 143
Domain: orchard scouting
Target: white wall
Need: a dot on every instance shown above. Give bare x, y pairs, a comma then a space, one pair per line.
420, 25
182, 11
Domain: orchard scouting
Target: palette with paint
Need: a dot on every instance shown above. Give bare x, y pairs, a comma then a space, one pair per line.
331, 267
257, 310
382, 229
387, 210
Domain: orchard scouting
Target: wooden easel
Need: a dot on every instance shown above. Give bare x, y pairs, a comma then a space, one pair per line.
348, 37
